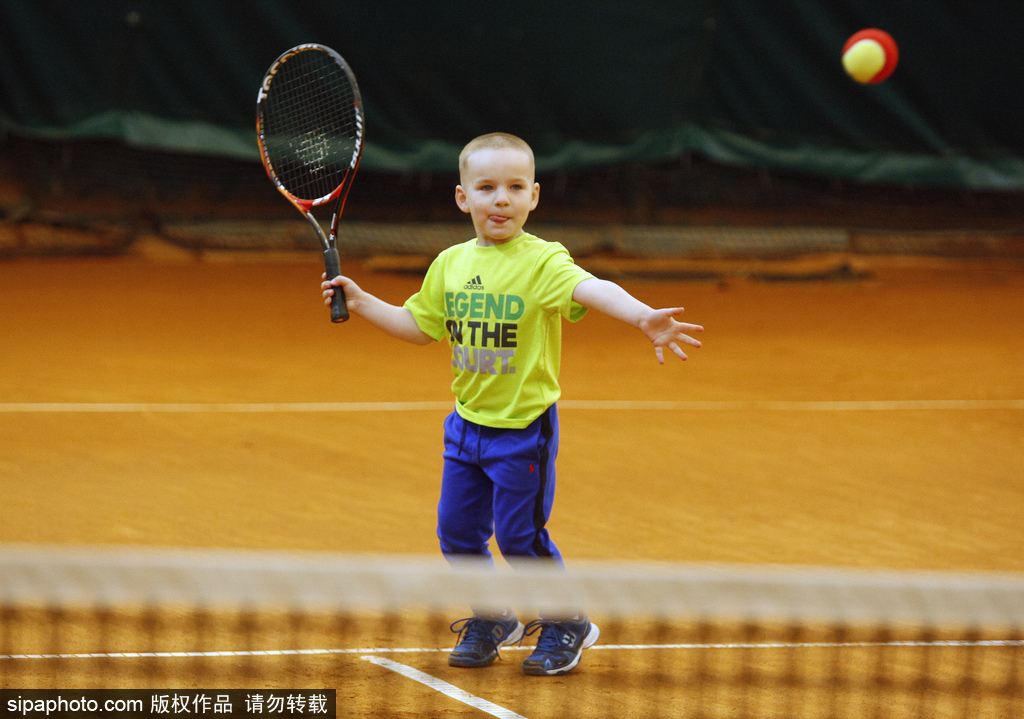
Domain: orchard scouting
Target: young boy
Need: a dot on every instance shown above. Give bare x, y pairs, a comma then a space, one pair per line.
499, 299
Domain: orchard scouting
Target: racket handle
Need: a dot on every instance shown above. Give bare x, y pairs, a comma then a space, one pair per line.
339, 310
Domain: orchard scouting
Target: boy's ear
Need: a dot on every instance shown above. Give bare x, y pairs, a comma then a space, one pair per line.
536, 196
460, 198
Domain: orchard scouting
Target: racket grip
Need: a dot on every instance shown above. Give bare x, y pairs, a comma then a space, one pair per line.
339, 310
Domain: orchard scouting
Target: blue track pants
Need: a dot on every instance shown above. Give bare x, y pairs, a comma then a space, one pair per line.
498, 482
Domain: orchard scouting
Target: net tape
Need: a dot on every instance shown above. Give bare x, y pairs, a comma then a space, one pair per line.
91, 576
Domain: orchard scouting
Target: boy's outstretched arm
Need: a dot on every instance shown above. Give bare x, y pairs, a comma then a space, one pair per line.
395, 321
660, 326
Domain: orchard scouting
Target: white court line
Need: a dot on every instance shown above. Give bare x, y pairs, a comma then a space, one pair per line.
798, 405
570, 404
449, 690
208, 407
428, 650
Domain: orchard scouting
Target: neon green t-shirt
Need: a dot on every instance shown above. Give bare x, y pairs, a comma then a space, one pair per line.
501, 309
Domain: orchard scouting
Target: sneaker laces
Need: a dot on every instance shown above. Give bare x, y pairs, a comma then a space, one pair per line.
474, 629
550, 638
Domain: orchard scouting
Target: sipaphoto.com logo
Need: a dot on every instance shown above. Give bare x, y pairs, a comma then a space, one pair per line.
474, 284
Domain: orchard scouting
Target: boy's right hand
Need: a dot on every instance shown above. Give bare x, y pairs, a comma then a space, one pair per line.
395, 320
345, 283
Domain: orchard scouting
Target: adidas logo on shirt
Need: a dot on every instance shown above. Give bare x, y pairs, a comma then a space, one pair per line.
474, 284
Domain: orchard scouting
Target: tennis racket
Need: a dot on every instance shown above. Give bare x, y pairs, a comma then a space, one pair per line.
309, 125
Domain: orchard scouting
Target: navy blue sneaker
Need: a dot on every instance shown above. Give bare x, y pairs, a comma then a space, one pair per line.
559, 646
481, 637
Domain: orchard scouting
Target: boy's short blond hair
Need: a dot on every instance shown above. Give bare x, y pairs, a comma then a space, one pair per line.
493, 140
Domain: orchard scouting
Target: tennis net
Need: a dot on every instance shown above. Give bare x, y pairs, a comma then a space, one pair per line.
373, 633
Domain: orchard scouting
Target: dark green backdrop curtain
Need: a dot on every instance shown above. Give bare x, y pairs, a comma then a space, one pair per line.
587, 83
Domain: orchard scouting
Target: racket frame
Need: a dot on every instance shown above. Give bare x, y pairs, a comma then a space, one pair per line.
329, 241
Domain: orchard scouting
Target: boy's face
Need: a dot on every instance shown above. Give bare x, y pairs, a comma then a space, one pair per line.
498, 192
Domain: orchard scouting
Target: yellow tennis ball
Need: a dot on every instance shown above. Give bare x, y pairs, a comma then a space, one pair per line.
863, 61
870, 56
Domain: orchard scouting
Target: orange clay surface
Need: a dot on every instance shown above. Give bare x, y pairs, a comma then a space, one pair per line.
786, 439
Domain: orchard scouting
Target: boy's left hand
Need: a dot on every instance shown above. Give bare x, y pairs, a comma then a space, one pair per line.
663, 330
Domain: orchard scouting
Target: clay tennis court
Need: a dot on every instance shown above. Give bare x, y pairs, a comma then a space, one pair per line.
874, 422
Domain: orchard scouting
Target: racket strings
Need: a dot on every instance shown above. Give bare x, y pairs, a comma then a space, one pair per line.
311, 124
